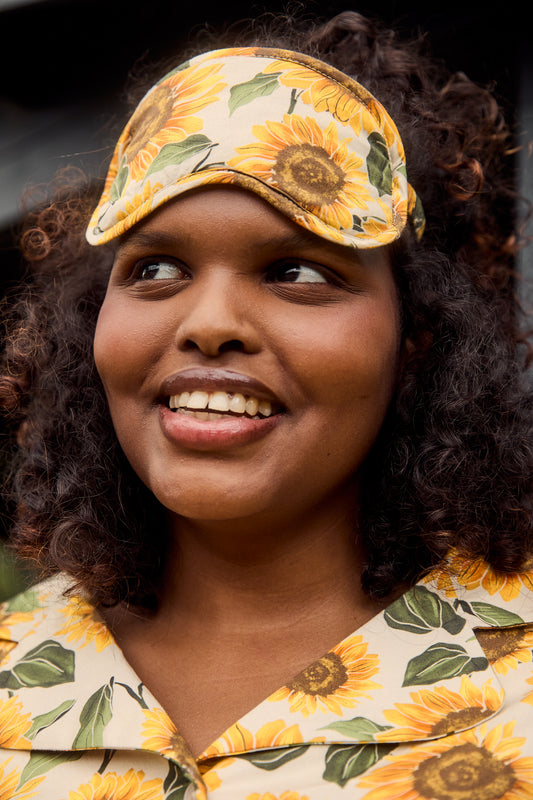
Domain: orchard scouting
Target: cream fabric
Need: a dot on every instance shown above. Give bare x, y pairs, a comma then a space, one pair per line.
306, 138
430, 699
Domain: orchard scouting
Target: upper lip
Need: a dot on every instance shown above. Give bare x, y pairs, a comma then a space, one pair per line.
216, 380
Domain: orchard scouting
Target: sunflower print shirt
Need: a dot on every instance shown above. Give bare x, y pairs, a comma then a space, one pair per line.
430, 700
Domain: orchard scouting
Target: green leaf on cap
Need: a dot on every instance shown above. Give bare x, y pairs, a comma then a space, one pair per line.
176, 152
118, 185
260, 85
378, 164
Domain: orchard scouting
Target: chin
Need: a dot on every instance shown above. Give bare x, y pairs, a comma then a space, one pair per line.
211, 505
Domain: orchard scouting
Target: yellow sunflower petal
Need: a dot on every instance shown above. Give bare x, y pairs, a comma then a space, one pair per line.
130, 786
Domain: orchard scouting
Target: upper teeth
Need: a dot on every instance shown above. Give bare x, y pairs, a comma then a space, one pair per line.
222, 402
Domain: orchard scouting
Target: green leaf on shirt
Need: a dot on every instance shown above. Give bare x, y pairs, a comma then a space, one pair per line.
39, 763
493, 615
48, 664
95, 715
45, 720
440, 662
26, 602
348, 761
176, 783
260, 85
272, 759
360, 729
421, 611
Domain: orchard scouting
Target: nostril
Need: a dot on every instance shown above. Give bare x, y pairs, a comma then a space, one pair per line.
189, 344
233, 345
211, 348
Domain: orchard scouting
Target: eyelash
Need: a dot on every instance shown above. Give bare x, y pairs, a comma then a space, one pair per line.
144, 264
272, 274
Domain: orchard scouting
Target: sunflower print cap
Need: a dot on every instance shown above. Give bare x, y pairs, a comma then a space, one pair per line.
298, 133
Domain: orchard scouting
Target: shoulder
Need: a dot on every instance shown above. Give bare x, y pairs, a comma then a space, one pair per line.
27, 610
48, 615
495, 598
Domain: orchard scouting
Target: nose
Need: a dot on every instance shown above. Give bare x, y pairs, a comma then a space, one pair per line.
218, 316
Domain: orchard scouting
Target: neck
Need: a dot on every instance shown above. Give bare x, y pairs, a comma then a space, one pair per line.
261, 575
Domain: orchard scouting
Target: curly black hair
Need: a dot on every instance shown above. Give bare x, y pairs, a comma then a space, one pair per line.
452, 467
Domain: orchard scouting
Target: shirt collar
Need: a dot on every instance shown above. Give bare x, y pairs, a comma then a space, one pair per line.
412, 673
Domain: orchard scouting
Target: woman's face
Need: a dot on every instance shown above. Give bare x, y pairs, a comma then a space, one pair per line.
248, 364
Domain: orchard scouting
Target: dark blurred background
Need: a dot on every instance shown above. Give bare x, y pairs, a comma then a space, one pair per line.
64, 65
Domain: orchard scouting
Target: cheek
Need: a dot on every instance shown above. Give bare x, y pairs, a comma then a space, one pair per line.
123, 346
351, 355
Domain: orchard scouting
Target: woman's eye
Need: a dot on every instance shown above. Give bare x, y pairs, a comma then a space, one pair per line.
296, 273
159, 271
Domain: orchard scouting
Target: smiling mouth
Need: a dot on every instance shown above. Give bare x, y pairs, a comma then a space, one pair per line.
212, 406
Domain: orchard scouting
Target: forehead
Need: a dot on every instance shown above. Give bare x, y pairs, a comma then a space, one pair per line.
235, 219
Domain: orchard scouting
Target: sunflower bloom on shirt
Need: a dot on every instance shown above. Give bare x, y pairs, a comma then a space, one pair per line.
481, 763
9, 784
476, 573
14, 724
84, 625
440, 711
161, 735
238, 739
337, 680
506, 648
283, 796
110, 786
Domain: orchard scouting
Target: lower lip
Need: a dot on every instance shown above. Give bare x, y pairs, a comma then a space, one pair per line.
223, 434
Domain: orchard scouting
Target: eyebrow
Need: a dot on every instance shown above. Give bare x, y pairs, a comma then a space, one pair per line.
145, 239
294, 240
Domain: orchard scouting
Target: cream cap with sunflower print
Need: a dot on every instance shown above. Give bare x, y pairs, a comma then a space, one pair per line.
306, 138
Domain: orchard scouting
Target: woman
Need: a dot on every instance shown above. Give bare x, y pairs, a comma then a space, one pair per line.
273, 432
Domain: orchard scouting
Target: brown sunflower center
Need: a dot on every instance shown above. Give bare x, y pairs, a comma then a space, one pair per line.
148, 120
308, 174
463, 773
499, 642
323, 677
459, 720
